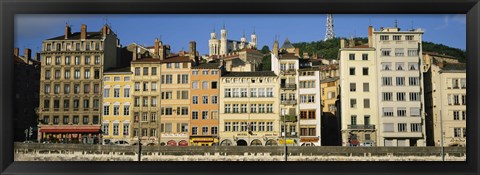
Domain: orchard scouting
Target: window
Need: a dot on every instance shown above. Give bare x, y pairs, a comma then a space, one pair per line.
353, 87
194, 84
457, 132
400, 96
364, 56
194, 72
66, 120
352, 71
414, 96
397, 37
97, 60
365, 71
353, 103
456, 115
243, 92
463, 83
464, 115
137, 71
456, 100
55, 120
412, 52
184, 111
228, 126
366, 103
194, 99
414, 111
154, 86
387, 96
48, 60
204, 72
76, 120
204, 99
56, 89
413, 81
409, 37
400, 81
366, 87
353, 120
235, 108
235, 92
87, 60
106, 110
351, 56
270, 126
227, 108
412, 66
214, 99
386, 81
106, 92
57, 74
145, 86
386, 66
204, 115
387, 112
402, 127
168, 79
76, 88
385, 52
253, 92
105, 128
97, 74
77, 60
85, 119
145, 101
77, 74
153, 117
116, 92
235, 126
401, 112
185, 79
205, 85
87, 73
67, 74
464, 99
383, 37
194, 115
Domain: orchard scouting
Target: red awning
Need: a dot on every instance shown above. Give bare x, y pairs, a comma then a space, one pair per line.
70, 130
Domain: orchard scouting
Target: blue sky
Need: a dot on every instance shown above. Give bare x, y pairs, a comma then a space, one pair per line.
178, 30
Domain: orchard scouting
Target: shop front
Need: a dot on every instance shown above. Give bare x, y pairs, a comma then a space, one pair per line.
203, 141
77, 134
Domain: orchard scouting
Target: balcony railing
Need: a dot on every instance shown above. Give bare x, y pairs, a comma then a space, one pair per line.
288, 118
288, 86
289, 72
368, 127
289, 102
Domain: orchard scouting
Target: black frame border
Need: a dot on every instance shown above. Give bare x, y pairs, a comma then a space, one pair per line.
8, 9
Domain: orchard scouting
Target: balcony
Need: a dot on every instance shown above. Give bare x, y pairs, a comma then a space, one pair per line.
288, 118
288, 72
288, 86
361, 127
289, 102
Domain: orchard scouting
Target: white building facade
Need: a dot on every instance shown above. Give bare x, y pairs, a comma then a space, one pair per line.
310, 111
224, 46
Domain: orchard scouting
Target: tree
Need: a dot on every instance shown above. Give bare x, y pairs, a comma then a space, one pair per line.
265, 49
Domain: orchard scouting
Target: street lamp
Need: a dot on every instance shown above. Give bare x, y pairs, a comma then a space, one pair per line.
285, 136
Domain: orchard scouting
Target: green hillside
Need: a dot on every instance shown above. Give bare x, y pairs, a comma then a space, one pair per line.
329, 49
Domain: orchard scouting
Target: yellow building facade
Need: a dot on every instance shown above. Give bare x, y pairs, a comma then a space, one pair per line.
117, 102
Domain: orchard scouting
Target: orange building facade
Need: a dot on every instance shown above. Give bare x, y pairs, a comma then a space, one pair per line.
204, 104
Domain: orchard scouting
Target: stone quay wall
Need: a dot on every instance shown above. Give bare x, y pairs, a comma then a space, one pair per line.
84, 152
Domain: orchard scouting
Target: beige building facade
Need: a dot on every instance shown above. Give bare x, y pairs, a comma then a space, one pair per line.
249, 113
445, 100
72, 68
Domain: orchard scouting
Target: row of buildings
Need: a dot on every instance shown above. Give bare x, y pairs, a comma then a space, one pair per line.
386, 93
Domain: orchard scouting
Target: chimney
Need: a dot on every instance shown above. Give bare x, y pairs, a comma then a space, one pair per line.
162, 52
156, 48
342, 43
28, 53
134, 56
351, 43
83, 32
370, 35
16, 51
105, 30
297, 52
68, 31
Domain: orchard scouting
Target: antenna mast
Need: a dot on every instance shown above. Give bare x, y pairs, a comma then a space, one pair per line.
329, 34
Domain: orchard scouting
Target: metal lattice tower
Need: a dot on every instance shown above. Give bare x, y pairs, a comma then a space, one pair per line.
329, 34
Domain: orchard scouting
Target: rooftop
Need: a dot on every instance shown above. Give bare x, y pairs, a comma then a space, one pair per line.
331, 79
250, 74
76, 36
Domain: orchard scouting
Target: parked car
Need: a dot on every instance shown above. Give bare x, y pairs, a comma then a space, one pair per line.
368, 143
121, 143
